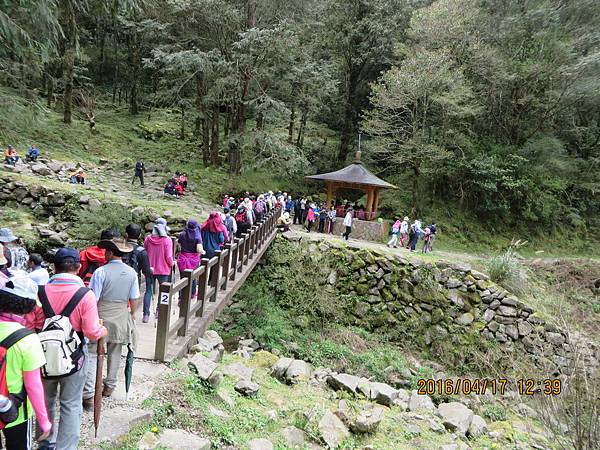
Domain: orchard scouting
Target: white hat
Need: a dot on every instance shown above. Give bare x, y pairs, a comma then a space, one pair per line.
21, 285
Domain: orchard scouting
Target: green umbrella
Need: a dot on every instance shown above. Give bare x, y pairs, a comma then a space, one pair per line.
128, 370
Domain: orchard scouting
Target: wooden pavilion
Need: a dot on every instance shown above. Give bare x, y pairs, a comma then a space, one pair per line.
355, 176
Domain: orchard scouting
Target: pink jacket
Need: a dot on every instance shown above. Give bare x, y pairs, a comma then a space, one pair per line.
160, 254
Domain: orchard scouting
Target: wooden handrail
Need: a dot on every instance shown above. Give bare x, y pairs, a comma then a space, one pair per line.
212, 276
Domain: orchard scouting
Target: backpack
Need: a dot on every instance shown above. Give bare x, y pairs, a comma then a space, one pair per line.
133, 259
17, 399
229, 223
259, 207
241, 217
62, 345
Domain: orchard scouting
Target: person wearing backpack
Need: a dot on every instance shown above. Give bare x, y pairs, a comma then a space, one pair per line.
159, 247
65, 297
230, 224
393, 242
116, 287
21, 357
93, 257
242, 220
260, 208
138, 258
140, 170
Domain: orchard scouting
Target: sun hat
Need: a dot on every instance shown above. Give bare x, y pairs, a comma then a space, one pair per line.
22, 286
118, 244
6, 235
406, 218
160, 227
66, 255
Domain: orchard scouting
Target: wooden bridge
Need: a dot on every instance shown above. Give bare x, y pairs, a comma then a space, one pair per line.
183, 318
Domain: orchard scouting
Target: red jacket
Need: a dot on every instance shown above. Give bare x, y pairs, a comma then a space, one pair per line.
91, 258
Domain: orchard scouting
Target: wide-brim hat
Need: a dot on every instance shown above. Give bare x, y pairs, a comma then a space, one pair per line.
116, 244
6, 235
21, 285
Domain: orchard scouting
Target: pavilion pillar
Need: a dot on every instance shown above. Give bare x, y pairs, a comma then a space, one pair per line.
330, 189
375, 203
370, 199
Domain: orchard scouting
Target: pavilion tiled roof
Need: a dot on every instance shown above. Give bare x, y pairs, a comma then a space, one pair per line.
355, 173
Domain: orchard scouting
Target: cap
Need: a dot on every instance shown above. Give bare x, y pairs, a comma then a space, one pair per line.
22, 286
66, 255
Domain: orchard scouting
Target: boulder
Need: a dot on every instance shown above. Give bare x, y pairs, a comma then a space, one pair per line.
246, 387
249, 343
477, 427
294, 437
94, 204
56, 239
280, 367
183, 440
420, 402
41, 169
84, 199
202, 366
343, 382
239, 371
455, 416
368, 420
138, 211
55, 166
260, 444
332, 429
465, 319
149, 441
298, 371
213, 338
383, 393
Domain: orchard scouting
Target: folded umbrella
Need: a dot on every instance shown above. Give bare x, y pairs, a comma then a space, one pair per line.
100, 354
128, 370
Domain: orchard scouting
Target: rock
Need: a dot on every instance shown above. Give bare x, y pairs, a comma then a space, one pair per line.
201, 366
149, 441
298, 371
477, 427
507, 311
239, 371
383, 393
418, 402
118, 421
343, 382
332, 429
280, 367
55, 166
488, 315
555, 338
216, 378
138, 211
436, 427
249, 343
527, 411
183, 440
512, 332
41, 169
465, 319
246, 387
402, 399
56, 239
368, 420
294, 437
213, 338
223, 396
94, 204
413, 429
260, 444
455, 416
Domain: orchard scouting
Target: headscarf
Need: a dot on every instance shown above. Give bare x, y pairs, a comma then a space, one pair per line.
191, 232
214, 224
160, 227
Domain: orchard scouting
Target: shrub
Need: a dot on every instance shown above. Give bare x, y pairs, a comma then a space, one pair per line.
88, 224
495, 413
506, 270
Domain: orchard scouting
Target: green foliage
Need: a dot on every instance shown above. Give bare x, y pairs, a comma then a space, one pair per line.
495, 412
89, 223
506, 270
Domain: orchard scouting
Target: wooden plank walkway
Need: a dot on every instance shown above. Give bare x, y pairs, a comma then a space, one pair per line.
181, 322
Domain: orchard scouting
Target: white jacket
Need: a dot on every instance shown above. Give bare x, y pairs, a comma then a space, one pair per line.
348, 219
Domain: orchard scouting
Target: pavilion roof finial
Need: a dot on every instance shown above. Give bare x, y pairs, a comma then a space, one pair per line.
358, 152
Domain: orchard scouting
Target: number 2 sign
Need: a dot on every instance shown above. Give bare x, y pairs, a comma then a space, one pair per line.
164, 298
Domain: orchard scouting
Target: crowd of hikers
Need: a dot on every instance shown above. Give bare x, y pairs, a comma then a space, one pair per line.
408, 235
11, 156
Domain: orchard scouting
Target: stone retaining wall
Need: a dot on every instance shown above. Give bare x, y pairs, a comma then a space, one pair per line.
445, 299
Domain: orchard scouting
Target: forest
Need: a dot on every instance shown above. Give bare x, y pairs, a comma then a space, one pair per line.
488, 107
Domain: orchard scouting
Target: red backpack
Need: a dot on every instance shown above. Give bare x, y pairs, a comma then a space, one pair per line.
241, 216
17, 399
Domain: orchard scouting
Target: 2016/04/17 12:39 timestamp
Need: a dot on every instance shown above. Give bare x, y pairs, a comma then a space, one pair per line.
481, 386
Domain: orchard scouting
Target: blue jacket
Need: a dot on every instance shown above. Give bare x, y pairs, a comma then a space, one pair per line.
33, 151
211, 242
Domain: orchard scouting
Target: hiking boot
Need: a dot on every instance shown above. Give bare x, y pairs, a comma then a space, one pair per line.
146, 318
107, 391
88, 403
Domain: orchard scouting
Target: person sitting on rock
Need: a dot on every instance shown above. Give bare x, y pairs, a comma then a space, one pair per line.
10, 156
284, 222
32, 153
170, 188
77, 177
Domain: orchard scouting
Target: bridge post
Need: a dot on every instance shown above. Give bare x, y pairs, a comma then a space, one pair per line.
162, 326
202, 287
234, 259
248, 237
186, 298
215, 275
227, 267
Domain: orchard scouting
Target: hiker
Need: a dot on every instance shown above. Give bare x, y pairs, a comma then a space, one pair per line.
260, 208
289, 204
160, 254
310, 216
170, 188
10, 156
393, 242
284, 222
297, 210
430, 237
67, 296
116, 287
348, 223
32, 153
183, 181
77, 177
404, 232
243, 219
37, 273
93, 257
323, 214
413, 235
138, 258
214, 234
303, 210
332, 217
23, 358
140, 170
190, 243
15, 253
230, 224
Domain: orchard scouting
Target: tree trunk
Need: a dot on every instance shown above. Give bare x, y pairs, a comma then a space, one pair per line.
133, 107
205, 142
70, 49
50, 89
302, 129
182, 131
227, 123
291, 125
349, 125
214, 144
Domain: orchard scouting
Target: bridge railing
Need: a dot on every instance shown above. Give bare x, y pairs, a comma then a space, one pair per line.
213, 275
